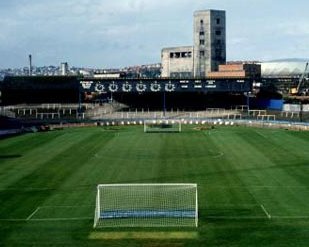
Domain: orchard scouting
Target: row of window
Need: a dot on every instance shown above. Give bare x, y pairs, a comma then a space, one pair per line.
218, 21
218, 33
189, 54
180, 54
181, 75
217, 54
217, 42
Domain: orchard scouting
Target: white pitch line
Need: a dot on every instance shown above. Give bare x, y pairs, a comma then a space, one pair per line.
304, 217
33, 213
235, 217
12, 220
218, 155
265, 211
68, 206
62, 219
290, 217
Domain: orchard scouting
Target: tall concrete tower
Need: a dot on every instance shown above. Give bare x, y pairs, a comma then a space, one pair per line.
209, 37
64, 68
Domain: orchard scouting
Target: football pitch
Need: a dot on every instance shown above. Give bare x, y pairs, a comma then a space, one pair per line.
253, 185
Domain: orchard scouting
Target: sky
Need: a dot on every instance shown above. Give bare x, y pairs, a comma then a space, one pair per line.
118, 33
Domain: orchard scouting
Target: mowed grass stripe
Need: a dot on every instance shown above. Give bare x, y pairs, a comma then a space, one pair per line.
12, 155
20, 144
296, 161
286, 148
269, 171
241, 158
291, 168
230, 164
37, 155
79, 187
50, 174
232, 186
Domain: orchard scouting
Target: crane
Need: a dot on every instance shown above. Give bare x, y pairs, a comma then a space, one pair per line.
296, 91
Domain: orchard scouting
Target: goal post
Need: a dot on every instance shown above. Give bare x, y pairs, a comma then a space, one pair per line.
146, 205
166, 125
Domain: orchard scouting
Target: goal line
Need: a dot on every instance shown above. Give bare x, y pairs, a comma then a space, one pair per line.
61, 213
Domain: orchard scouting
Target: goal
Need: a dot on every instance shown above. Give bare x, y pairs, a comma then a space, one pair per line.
146, 205
153, 126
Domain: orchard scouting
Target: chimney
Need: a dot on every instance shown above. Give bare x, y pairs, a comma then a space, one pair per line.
30, 65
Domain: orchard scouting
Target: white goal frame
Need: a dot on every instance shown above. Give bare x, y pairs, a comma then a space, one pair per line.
162, 125
146, 205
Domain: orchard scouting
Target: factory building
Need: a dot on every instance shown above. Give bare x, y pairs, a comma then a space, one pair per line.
206, 54
177, 62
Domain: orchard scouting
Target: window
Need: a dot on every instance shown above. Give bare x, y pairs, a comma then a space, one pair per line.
201, 22
189, 54
202, 42
218, 21
202, 53
218, 54
171, 55
202, 33
177, 54
184, 54
218, 32
218, 42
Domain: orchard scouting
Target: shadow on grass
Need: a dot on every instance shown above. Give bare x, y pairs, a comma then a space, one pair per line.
10, 156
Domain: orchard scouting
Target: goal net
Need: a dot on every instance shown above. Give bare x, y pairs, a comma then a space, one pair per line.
146, 205
153, 126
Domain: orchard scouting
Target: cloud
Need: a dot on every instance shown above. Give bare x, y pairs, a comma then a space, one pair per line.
113, 33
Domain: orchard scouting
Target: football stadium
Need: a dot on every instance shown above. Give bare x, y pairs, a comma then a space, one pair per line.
183, 163
210, 153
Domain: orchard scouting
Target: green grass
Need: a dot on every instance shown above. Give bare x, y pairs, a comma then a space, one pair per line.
253, 185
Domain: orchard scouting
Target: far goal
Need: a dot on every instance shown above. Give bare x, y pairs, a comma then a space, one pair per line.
153, 126
146, 205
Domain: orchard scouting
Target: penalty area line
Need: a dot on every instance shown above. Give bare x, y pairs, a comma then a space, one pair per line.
248, 217
68, 206
33, 213
265, 211
47, 219
304, 217
226, 217
12, 220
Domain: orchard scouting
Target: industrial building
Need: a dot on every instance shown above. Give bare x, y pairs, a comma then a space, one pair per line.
177, 62
206, 54
237, 70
